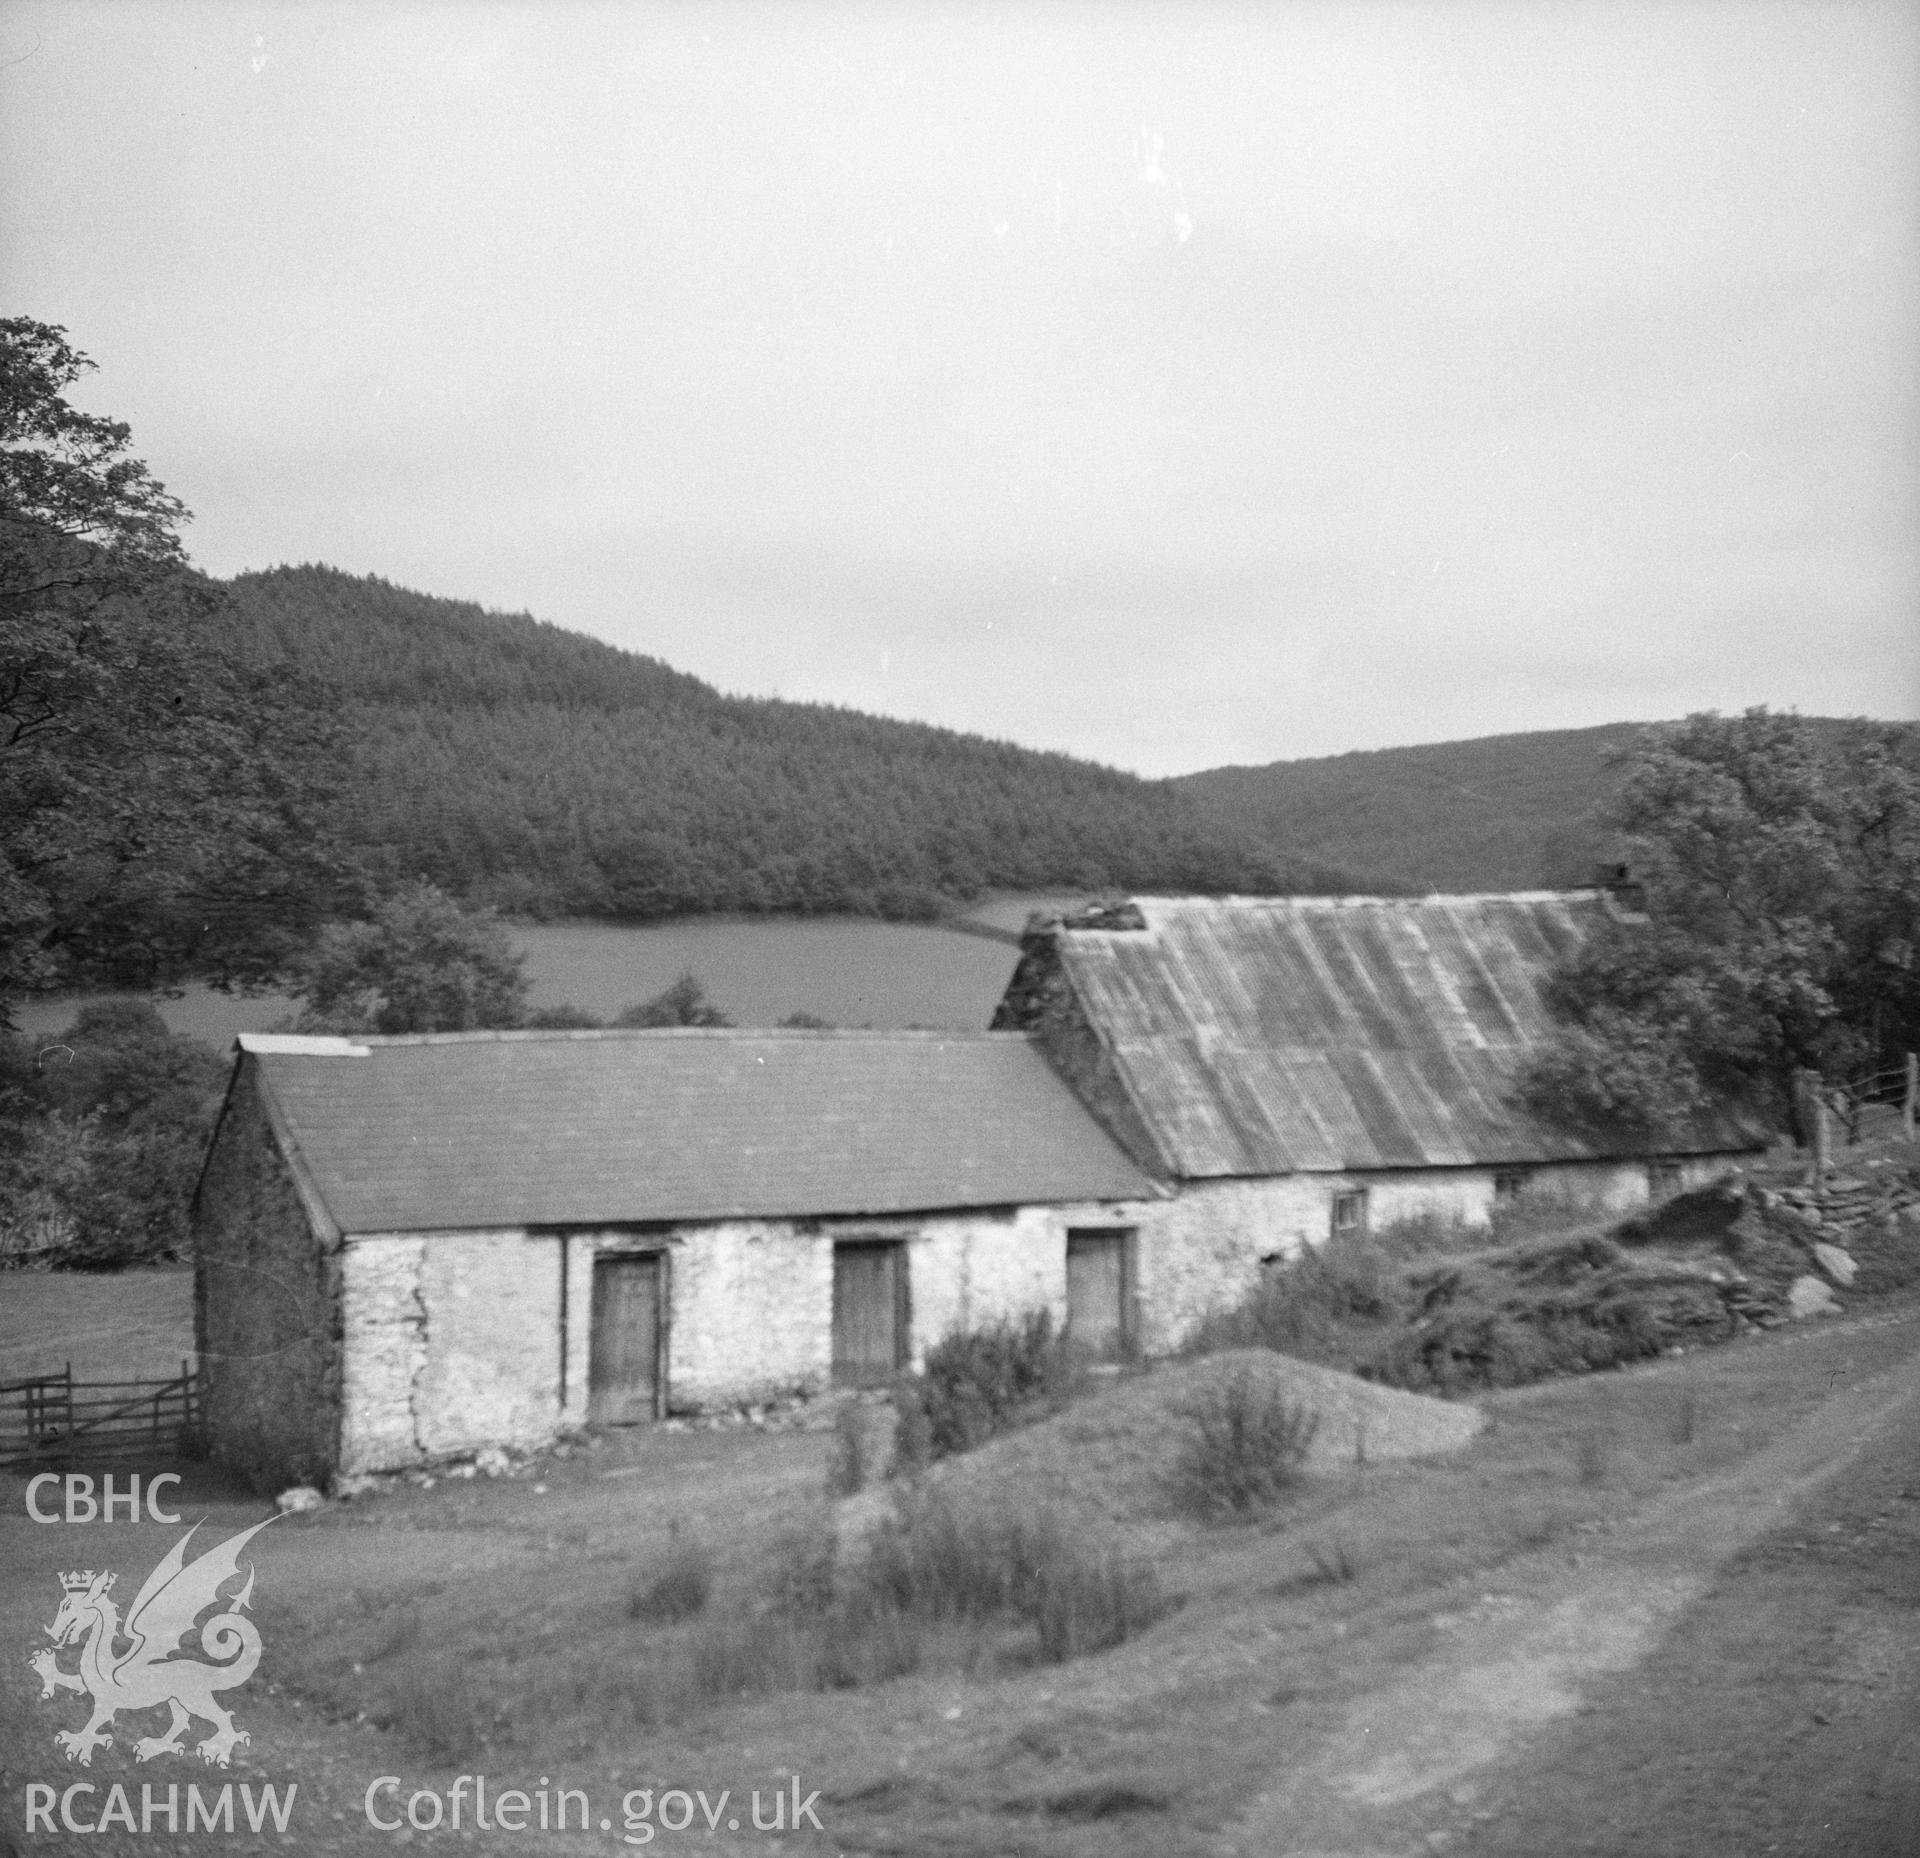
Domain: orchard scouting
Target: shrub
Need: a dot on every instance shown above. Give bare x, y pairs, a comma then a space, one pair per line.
435, 1709
1461, 1348
1307, 1305
866, 1641
912, 1430
1536, 1211
751, 1655
1429, 1231
937, 1561
1088, 1601
979, 1383
938, 1583
854, 1449
800, 1577
1246, 1446
685, 1003
681, 1587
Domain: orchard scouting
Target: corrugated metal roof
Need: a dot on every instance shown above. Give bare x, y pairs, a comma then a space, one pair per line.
586, 1128
1269, 1035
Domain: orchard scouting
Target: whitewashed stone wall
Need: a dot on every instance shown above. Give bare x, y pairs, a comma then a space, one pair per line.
451, 1342
751, 1301
967, 1270
384, 1349
750, 1313
1201, 1251
455, 1340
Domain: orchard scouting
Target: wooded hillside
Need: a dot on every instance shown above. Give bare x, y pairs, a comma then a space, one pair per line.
518, 764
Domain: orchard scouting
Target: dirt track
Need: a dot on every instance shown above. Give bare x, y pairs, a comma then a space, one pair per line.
1739, 1675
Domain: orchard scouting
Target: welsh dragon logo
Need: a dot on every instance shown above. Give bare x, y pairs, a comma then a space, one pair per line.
144, 1674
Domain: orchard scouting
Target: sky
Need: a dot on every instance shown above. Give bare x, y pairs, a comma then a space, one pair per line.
1170, 385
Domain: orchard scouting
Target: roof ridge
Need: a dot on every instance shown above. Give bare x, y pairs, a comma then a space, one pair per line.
581, 1034
1364, 899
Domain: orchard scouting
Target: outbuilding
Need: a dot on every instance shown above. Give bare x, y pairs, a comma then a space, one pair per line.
1301, 1067
412, 1247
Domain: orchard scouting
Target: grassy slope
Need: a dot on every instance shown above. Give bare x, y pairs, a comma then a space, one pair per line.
1503, 812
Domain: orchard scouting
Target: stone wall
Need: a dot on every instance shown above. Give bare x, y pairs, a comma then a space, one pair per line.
453, 1342
1468, 1194
1201, 1250
752, 1301
455, 1338
750, 1313
266, 1306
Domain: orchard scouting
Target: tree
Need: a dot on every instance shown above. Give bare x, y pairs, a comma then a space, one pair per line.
685, 1003
102, 1133
1783, 879
159, 807
421, 964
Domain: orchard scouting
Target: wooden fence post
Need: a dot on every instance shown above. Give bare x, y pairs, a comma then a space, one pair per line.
1812, 1107
1911, 1102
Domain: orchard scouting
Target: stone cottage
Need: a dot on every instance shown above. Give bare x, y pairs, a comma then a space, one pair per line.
1301, 1067
407, 1248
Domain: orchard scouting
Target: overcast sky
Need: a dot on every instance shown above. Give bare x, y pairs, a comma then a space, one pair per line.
1170, 385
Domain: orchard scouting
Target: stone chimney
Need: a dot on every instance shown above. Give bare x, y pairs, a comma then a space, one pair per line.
1626, 893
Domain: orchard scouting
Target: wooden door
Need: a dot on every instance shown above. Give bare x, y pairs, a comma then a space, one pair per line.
623, 1367
869, 1313
1099, 1287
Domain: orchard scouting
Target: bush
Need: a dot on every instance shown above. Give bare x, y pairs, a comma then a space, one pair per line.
855, 1449
1430, 1231
685, 1003
436, 1711
1307, 1305
800, 1579
1466, 1345
937, 1561
938, 1582
1463, 1349
979, 1383
1088, 1601
1536, 1212
1246, 1446
679, 1590
753, 1655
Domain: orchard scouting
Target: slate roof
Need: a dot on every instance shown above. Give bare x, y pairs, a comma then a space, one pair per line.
561, 1128
1268, 1035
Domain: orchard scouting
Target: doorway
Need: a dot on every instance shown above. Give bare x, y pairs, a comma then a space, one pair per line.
1100, 1293
624, 1358
869, 1312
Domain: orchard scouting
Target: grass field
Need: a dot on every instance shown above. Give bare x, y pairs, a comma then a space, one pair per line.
852, 971
120, 1326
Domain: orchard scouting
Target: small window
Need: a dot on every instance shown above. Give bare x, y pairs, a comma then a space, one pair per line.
1350, 1213
1510, 1183
1663, 1179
